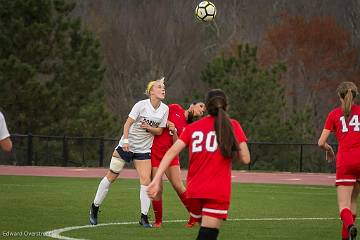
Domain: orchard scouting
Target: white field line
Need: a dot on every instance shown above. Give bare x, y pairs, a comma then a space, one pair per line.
56, 233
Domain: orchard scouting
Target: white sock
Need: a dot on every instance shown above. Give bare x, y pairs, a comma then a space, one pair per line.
144, 200
102, 191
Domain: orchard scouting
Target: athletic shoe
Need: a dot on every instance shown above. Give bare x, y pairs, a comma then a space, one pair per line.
192, 221
352, 232
144, 221
93, 214
157, 224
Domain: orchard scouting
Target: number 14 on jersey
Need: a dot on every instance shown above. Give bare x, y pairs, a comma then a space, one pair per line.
354, 122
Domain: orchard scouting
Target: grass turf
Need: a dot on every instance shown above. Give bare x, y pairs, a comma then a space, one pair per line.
32, 205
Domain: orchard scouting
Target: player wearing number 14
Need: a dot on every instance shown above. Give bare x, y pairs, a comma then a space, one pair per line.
344, 121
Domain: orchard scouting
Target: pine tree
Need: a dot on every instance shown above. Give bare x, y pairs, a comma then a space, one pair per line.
50, 71
256, 96
257, 100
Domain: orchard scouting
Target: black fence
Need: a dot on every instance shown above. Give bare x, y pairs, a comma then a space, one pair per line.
38, 150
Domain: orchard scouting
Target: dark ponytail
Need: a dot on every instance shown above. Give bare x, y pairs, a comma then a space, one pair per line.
348, 99
216, 105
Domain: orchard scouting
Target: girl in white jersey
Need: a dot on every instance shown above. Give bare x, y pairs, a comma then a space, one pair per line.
5, 141
147, 118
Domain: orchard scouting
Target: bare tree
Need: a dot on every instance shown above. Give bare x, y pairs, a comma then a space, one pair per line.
143, 40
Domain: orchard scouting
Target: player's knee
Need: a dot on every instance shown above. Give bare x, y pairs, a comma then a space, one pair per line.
116, 165
111, 176
116, 154
145, 180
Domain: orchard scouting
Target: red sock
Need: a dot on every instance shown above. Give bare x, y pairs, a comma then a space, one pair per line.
347, 217
157, 206
184, 200
344, 232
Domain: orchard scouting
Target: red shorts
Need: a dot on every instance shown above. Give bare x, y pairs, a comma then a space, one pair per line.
210, 207
156, 157
347, 168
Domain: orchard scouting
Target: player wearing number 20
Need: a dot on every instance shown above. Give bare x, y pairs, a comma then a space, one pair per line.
212, 141
344, 121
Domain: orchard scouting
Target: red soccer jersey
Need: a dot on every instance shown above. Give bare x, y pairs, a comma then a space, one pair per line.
164, 141
347, 131
209, 174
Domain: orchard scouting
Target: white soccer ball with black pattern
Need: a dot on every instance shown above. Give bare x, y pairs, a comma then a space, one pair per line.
205, 11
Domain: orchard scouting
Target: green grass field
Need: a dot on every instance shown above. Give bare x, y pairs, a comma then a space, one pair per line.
31, 205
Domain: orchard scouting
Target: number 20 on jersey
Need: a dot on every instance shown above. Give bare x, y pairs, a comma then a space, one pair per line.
199, 137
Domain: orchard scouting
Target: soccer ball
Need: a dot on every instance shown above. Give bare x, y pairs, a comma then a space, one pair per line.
205, 11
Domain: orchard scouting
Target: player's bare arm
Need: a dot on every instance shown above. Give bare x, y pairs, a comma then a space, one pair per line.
330, 155
173, 131
6, 144
244, 154
127, 126
154, 187
152, 130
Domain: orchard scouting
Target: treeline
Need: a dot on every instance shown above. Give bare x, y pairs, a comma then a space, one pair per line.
317, 41
51, 71
58, 78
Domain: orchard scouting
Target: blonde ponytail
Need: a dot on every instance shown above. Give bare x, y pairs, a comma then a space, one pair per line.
348, 99
347, 91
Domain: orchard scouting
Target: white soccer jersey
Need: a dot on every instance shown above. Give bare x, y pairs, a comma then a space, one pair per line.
140, 141
4, 133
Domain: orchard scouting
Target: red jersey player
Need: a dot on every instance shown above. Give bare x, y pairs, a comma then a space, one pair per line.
177, 120
344, 121
212, 141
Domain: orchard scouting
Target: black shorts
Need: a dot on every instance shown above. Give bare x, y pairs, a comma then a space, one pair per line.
130, 156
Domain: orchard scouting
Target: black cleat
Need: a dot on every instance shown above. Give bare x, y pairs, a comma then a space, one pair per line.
93, 214
352, 232
144, 221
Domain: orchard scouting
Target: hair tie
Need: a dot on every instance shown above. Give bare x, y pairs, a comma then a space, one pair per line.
149, 86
